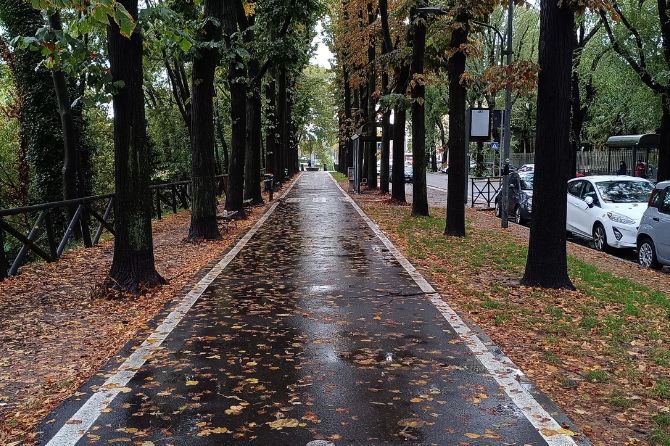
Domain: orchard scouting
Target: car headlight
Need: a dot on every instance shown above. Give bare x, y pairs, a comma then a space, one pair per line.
619, 218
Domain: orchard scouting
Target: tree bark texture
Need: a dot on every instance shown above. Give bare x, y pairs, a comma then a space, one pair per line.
271, 144
237, 74
457, 96
398, 171
133, 266
420, 193
282, 122
546, 265
371, 129
204, 224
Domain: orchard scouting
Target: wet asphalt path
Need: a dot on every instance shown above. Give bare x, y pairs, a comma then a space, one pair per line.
313, 331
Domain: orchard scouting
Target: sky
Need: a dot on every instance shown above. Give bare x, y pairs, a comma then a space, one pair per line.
323, 55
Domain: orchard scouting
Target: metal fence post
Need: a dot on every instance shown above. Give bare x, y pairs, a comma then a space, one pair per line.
4, 266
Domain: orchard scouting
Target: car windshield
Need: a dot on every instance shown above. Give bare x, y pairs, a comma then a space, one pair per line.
624, 191
526, 181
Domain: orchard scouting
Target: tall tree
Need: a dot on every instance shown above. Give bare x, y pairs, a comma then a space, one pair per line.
457, 97
133, 266
418, 82
387, 47
546, 265
237, 81
371, 113
38, 113
203, 216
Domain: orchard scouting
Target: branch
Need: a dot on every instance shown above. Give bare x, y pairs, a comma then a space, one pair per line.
268, 63
639, 67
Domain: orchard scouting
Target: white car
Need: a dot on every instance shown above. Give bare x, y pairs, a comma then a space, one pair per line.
607, 209
527, 168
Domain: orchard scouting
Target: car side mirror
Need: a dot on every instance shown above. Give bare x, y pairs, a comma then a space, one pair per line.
589, 201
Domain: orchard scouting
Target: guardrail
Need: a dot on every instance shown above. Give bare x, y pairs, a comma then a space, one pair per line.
484, 191
41, 241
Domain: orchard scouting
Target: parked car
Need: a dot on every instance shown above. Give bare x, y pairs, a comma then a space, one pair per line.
526, 168
653, 237
520, 202
607, 209
409, 174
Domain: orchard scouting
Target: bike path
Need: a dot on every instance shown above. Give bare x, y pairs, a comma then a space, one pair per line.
312, 328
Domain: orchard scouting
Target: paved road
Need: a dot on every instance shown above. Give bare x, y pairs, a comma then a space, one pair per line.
312, 328
437, 191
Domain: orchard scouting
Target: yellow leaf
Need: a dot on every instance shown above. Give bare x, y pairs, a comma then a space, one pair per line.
282, 423
191, 383
219, 430
559, 431
471, 435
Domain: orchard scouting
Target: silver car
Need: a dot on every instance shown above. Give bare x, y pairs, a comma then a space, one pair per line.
653, 238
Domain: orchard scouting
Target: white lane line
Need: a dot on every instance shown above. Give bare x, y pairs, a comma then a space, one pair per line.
77, 426
505, 376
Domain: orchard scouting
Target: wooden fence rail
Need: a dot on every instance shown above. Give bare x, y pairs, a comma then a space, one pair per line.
48, 219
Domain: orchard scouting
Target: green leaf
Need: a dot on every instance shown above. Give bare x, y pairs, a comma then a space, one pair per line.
124, 20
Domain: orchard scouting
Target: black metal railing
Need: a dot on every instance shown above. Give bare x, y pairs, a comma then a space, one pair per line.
43, 222
484, 191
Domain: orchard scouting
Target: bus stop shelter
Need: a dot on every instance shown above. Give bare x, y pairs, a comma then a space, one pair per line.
632, 149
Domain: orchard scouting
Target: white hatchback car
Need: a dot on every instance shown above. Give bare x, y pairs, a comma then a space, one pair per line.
607, 209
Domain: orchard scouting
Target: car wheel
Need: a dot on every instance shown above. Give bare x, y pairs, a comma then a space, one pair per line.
518, 219
498, 209
646, 254
600, 237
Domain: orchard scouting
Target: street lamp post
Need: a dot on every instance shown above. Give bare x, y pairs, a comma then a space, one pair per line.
504, 202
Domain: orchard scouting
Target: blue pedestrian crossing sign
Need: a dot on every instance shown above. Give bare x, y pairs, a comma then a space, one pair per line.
495, 146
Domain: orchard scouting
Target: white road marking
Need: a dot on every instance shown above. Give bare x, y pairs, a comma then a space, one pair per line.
500, 369
77, 426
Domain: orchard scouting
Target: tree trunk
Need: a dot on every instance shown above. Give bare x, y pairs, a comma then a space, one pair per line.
349, 147
237, 74
252, 170
271, 145
457, 96
222, 139
420, 193
398, 171
67, 124
204, 225
547, 258
386, 152
443, 141
371, 158
282, 122
133, 266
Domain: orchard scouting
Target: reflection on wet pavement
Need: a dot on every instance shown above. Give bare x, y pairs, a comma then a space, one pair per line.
313, 332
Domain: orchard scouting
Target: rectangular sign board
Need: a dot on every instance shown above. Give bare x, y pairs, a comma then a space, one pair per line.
480, 124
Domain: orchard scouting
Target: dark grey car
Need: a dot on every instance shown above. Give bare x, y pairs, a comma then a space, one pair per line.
520, 195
